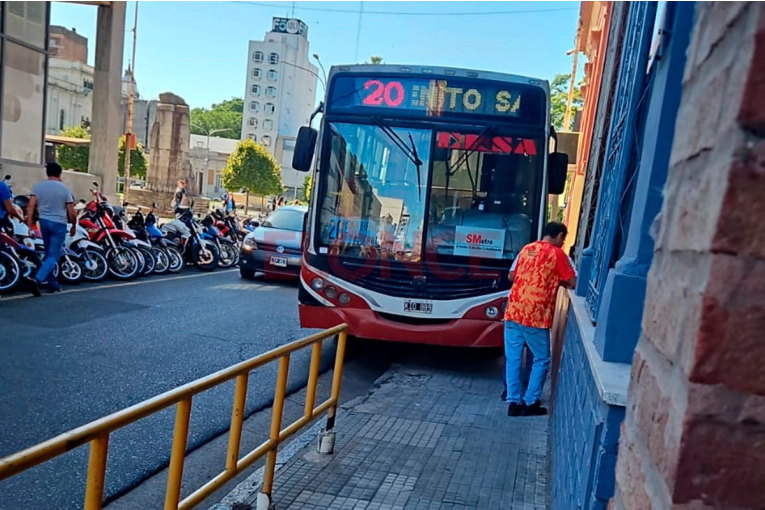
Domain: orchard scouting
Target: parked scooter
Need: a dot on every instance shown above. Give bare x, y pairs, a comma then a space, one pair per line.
199, 248
229, 254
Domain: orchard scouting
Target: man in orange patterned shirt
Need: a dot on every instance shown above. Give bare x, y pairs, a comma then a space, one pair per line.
537, 272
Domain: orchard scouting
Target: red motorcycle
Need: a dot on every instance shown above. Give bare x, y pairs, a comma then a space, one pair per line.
123, 261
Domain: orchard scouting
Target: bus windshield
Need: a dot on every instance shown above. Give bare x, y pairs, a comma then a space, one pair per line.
375, 201
374, 194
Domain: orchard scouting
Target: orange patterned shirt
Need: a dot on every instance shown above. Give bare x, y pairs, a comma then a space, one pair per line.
539, 269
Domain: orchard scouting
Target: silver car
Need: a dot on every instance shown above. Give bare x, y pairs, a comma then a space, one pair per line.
274, 246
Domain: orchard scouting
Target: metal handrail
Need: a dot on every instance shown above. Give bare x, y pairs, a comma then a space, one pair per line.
97, 432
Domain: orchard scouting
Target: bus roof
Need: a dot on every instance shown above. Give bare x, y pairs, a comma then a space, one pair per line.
437, 71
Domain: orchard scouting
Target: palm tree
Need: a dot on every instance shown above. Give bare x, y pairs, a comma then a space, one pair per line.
375, 60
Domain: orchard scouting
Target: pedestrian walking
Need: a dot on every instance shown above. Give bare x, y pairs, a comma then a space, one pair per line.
537, 272
55, 206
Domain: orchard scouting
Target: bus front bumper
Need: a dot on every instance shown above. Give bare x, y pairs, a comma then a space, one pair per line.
365, 323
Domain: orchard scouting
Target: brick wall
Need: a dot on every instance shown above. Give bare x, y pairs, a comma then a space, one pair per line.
694, 434
585, 431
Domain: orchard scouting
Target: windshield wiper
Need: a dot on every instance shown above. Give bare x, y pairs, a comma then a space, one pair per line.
410, 152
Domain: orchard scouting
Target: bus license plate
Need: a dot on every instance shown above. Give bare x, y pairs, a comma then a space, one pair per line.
418, 307
279, 261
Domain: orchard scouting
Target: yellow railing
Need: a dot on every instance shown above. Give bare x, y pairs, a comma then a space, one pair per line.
97, 432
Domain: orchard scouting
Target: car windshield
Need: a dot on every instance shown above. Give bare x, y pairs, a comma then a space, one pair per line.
373, 195
285, 219
482, 198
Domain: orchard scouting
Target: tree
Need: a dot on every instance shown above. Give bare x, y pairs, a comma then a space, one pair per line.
307, 183
226, 115
74, 158
559, 98
137, 160
375, 60
253, 168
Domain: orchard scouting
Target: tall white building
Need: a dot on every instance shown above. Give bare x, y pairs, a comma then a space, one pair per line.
280, 94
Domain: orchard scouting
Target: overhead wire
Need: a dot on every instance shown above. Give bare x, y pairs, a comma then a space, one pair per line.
401, 13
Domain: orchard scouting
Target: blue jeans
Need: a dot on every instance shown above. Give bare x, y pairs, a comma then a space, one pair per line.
54, 235
538, 340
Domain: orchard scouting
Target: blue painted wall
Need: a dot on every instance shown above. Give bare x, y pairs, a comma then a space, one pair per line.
585, 432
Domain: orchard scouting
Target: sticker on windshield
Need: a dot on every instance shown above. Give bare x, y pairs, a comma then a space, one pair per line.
353, 231
488, 243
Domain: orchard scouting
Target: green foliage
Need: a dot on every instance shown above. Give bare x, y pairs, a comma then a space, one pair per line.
305, 194
375, 60
226, 115
559, 98
252, 168
138, 163
74, 158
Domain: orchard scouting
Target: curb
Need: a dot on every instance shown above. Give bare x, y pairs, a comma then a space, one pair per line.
244, 495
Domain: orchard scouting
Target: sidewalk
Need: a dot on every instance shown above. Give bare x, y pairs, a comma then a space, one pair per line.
428, 438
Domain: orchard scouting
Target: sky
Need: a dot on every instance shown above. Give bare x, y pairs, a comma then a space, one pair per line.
198, 50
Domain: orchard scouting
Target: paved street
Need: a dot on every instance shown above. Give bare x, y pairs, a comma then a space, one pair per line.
70, 358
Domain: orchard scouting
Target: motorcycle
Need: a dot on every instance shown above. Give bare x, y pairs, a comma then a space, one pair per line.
68, 268
144, 247
122, 259
199, 247
158, 238
10, 269
229, 254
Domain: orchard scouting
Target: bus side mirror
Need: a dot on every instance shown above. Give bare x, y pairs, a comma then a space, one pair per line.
304, 147
557, 170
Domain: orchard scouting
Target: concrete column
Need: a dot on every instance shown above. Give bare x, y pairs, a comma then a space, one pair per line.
621, 308
695, 422
106, 125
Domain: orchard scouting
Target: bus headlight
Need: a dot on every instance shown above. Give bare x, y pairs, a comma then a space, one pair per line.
492, 312
330, 292
317, 284
344, 299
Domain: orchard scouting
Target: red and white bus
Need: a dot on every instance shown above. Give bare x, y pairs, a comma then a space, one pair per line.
427, 183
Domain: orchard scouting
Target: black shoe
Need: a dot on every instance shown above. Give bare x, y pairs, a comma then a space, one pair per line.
34, 287
534, 409
514, 409
504, 395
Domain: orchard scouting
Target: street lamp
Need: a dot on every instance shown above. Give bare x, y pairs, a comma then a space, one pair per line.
323, 71
321, 80
207, 149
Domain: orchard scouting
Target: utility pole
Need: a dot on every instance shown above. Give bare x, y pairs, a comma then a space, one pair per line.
570, 100
129, 130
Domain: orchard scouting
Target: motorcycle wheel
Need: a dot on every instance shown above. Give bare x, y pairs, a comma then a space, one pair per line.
206, 259
94, 266
175, 258
161, 259
149, 261
141, 260
229, 255
123, 263
10, 272
70, 271
30, 264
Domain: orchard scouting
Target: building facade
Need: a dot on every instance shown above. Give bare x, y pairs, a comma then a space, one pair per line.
24, 46
280, 92
69, 96
144, 112
208, 157
630, 124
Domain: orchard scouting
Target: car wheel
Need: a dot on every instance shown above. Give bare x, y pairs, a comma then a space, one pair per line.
247, 274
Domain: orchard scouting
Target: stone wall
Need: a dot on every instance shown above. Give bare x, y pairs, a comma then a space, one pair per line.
24, 177
694, 434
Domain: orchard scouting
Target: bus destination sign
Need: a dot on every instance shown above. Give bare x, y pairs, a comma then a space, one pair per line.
437, 97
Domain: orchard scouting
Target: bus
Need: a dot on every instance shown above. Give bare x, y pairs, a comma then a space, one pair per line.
427, 182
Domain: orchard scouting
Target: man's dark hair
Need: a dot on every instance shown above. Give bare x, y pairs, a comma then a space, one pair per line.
53, 170
554, 229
